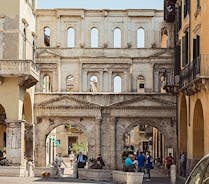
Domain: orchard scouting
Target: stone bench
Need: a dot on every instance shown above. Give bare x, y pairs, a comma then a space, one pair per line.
95, 174
11, 171
127, 177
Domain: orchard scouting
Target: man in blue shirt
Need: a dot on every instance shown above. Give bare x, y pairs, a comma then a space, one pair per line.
129, 165
141, 160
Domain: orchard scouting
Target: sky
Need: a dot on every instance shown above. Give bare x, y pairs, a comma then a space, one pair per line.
101, 4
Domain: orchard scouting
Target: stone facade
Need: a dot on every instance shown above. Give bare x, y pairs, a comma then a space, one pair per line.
104, 115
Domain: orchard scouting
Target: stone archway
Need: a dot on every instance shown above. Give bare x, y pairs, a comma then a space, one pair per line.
46, 125
125, 125
198, 131
183, 125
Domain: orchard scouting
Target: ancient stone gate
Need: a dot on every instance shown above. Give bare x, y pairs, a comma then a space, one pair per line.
104, 118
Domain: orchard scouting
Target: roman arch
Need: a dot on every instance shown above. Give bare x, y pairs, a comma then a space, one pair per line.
104, 119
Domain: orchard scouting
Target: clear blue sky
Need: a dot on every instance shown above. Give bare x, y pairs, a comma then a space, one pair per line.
105, 4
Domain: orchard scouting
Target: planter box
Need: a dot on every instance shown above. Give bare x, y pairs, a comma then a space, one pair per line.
95, 174
127, 177
12, 171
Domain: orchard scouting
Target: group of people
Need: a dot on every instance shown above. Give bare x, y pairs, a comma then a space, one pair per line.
80, 160
139, 163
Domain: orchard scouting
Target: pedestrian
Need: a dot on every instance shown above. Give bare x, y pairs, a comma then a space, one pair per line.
169, 162
82, 159
58, 163
72, 158
100, 161
129, 165
182, 164
149, 164
141, 161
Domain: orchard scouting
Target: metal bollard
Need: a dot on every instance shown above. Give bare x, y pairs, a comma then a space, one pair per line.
173, 174
30, 169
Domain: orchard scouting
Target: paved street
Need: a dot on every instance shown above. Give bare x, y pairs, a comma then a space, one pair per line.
20, 180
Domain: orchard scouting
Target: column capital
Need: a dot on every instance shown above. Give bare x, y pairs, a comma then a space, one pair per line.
98, 119
14, 123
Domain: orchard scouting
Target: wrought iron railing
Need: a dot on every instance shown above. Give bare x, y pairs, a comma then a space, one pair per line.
199, 68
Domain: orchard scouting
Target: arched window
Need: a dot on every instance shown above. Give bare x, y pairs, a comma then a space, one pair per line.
24, 43
94, 38
93, 83
140, 84
117, 84
71, 38
70, 82
47, 33
46, 84
140, 38
164, 38
117, 38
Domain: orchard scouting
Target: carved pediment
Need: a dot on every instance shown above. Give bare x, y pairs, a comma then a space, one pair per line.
67, 101
145, 101
48, 53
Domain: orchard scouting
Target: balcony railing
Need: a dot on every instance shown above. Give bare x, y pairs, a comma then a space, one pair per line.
19, 68
194, 73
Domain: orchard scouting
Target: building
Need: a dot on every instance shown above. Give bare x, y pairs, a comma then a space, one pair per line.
191, 77
18, 75
101, 71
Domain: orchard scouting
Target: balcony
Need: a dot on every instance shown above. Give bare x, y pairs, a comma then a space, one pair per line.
195, 75
26, 70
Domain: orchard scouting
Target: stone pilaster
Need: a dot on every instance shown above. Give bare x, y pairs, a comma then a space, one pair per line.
109, 140
15, 142
85, 81
98, 121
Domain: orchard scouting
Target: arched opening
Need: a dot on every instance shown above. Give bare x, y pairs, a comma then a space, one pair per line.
46, 83
94, 38
24, 43
117, 38
47, 34
65, 139
27, 116
144, 138
140, 84
117, 86
70, 38
2, 129
198, 131
93, 83
164, 38
183, 126
140, 38
70, 83
27, 109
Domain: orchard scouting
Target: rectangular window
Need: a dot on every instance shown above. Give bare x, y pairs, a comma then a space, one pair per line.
141, 86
